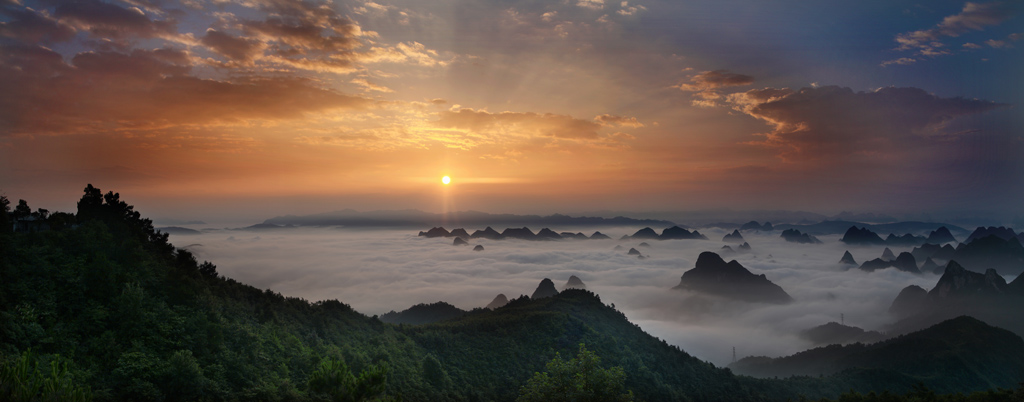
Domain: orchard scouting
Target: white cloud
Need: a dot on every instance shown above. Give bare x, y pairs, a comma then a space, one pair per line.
377, 271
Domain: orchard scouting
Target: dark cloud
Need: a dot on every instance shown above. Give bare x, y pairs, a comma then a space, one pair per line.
141, 89
111, 21
233, 47
29, 26
973, 17
833, 122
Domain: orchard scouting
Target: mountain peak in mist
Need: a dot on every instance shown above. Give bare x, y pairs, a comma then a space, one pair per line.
941, 236
794, 236
910, 300
546, 288
712, 275
887, 255
957, 281
863, 235
599, 236
488, 233
735, 236
499, 300
847, 258
574, 282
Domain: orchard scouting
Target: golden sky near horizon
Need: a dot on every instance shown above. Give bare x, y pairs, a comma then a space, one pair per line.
287, 106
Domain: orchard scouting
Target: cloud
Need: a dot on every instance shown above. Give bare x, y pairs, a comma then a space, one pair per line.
834, 123
973, 17
383, 270
110, 21
590, 4
370, 86
235, 48
522, 124
620, 121
31, 27
903, 61
142, 89
630, 10
705, 85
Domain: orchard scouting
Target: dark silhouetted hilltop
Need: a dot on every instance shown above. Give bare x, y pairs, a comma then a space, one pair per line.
423, 314
941, 236
178, 231
478, 247
460, 232
523, 233
983, 232
487, 233
499, 301
861, 236
645, 233
906, 240
574, 282
991, 252
753, 225
459, 242
599, 236
548, 234
910, 300
847, 259
712, 275
940, 253
436, 232
734, 237
887, 255
931, 266
834, 333
546, 288
678, 233
794, 236
960, 353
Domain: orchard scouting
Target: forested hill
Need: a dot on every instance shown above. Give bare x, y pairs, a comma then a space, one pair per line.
136, 319
131, 318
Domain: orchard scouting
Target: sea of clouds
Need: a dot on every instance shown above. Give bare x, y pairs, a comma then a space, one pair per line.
380, 270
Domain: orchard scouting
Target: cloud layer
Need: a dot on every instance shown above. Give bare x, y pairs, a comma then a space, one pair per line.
377, 271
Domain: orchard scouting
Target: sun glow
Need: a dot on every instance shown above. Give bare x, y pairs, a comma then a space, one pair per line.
446, 180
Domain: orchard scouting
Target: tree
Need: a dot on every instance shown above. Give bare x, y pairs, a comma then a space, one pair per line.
22, 210
579, 379
5, 220
334, 380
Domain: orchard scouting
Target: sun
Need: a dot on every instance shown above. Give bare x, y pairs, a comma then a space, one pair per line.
446, 180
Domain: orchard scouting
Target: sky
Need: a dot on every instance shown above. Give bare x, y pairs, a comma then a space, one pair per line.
248, 109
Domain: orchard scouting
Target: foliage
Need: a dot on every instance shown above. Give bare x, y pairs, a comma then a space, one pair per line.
334, 380
21, 380
579, 379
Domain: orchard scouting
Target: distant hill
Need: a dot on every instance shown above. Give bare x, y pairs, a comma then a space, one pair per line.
836, 333
959, 291
839, 227
179, 231
417, 218
712, 275
961, 353
423, 314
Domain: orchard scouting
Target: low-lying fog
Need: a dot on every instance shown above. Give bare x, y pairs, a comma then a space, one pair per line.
376, 271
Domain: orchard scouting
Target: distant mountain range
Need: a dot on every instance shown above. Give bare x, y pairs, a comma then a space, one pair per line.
412, 217
983, 356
